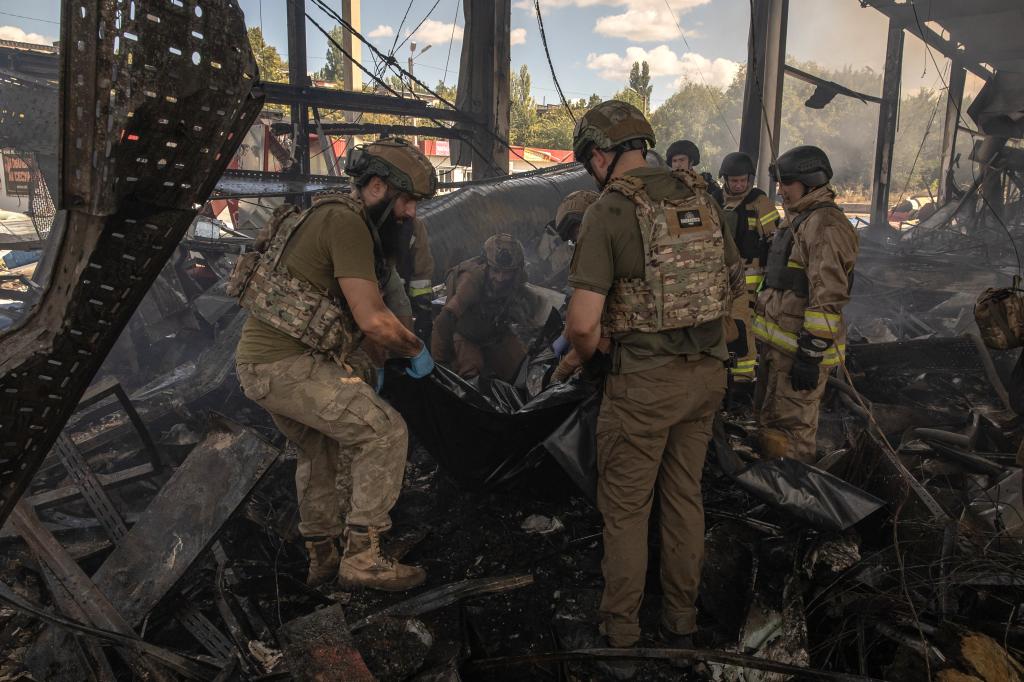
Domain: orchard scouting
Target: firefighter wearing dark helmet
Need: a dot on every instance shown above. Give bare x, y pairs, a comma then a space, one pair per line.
684, 155
798, 316
654, 273
756, 222
472, 333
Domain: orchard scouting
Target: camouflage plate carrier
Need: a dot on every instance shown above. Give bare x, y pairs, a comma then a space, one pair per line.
291, 305
686, 282
1000, 317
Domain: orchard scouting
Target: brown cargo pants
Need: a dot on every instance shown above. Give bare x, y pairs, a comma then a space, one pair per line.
779, 408
653, 432
352, 444
500, 359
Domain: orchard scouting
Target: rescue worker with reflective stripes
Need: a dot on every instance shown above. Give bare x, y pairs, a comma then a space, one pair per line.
684, 155
313, 295
756, 222
555, 245
798, 318
472, 333
655, 273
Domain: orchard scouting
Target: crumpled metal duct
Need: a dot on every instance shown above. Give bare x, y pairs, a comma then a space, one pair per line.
156, 97
459, 223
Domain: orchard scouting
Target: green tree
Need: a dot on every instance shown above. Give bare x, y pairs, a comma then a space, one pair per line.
554, 130
523, 108
631, 96
640, 83
449, 92
333, 69
273, 69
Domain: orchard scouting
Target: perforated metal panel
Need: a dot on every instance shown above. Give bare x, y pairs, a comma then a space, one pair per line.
156, 96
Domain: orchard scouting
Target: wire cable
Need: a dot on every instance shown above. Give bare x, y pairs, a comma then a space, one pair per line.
401, 25
714, 101
451, 41
547, 53
422, 21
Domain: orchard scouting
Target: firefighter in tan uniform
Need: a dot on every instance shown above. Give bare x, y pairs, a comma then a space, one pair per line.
656, 272
798, 317
756, 222
555, 246
414, 263
485, 295
313, 295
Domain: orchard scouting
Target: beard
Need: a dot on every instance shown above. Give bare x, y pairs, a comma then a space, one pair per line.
388, 227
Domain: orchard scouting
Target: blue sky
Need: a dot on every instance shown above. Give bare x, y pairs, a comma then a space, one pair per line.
592, 42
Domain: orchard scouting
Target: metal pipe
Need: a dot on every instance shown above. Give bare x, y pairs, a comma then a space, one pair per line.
990, 371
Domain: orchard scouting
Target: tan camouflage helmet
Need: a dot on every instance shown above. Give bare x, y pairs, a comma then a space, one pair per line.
504, 252
397, 162
608, 125
570, 212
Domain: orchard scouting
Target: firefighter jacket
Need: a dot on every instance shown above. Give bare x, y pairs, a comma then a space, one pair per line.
686, 280
756, 222
808, 277
415, 262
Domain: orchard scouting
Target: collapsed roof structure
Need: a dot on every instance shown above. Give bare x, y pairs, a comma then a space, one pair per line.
132, 125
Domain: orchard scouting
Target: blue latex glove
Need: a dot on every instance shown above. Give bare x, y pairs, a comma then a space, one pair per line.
380, 380
421, 365
561, 346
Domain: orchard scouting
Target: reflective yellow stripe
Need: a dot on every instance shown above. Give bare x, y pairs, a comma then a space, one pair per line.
736, 371
755, 279
793, 264
822, 323
776, 336
420, 292
752, 222
420, 287
769, 217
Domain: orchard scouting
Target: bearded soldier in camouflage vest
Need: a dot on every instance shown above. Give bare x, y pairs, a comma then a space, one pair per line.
312, 295
656, 272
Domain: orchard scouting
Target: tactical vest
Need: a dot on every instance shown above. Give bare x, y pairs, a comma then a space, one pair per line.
685, 281
752, 243
779, 274
291, 305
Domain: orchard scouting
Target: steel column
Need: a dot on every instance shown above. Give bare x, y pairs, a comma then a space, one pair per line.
888, 116
954, 102
297, 76
774, 72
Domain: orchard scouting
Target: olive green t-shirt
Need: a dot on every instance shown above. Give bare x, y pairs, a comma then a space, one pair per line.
610, 248
333, 242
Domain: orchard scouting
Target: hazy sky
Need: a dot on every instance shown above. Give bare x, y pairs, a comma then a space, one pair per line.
592, 42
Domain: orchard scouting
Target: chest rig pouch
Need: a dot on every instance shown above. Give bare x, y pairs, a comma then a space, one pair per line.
301, 310
685, 282
781, 273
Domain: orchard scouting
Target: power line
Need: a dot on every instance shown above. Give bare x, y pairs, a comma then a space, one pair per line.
401, 25
960, 117
426, 88
451, 41
22, 16
544, 41
714, 102
422, 21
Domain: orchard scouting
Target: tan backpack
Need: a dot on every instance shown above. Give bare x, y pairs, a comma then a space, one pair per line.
1000, 317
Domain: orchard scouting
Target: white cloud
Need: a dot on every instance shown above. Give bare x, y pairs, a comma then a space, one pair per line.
16, 34
518, 36
382, 31
641, 20
664, 62
436, 33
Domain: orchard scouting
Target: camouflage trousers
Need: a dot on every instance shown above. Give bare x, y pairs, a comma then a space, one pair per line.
789, 415
352, 444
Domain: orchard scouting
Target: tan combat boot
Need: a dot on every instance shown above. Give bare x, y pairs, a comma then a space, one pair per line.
365, 566
323, 560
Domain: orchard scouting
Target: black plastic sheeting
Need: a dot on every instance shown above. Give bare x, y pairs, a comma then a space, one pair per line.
485, 440
488, 440
817, 497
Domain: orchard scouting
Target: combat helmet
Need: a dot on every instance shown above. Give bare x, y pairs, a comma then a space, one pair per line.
736, 163
570, 212
609, 125
683, 148
806, 164
503, 252
397, 162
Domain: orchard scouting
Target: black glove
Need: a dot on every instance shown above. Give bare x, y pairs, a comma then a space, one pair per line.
597, 367
739, 347
810, 350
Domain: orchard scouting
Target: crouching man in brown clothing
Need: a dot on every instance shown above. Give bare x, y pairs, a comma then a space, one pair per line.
312, 295
656, 271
